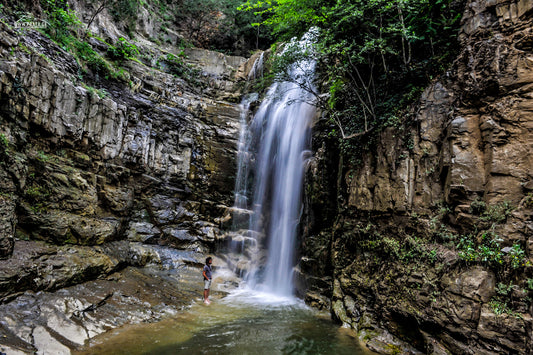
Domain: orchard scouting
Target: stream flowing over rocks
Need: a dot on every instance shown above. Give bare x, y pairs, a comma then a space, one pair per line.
113, 192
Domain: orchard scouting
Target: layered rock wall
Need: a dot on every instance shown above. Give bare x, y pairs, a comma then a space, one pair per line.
432, 239
89, 162
111, 188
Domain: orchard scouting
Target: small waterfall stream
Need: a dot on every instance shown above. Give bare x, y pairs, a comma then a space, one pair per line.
272, 150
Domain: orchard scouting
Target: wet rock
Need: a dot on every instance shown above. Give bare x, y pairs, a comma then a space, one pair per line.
62, 227
67, 318
180, 238
142, 232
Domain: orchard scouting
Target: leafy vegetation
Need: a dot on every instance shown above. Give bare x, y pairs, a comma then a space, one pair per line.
217, 24
64, 27
497, 213
377, 55
123, 50
406, 249
502, 302
487, 250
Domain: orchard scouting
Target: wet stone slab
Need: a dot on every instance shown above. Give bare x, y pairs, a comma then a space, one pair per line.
64, 320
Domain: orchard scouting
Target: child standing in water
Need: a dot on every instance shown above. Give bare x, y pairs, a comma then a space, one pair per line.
207, 279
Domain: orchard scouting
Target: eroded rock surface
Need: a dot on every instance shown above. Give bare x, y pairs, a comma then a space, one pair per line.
387, 241
110, 189
51, 307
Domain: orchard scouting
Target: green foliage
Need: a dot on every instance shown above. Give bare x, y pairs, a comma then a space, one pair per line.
123, 50
42, 156
63, 29
500, 303
530, 284
503, 289
517, 257
377, 56
497, 213
217, 24
61, 20
4, 142
406, 250
499, 307
489, 252
288, 17
478, 206
86, 54
63, 24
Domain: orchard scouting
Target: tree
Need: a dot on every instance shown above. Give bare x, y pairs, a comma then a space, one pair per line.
376, 56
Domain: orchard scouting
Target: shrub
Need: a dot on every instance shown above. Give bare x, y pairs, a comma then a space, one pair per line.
85, 53
478, 206
489, 252
123, 50
497, 213
61, 20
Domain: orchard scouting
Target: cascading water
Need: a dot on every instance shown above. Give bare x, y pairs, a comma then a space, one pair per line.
278, 138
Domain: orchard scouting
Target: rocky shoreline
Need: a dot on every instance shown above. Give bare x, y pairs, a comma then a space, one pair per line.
47, 310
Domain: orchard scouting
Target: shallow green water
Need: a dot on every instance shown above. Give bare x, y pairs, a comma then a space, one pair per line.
244, 323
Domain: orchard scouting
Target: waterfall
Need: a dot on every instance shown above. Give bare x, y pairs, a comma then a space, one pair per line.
272, 151
243, 155
257, 67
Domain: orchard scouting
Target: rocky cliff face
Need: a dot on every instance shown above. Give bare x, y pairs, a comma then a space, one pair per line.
432, 241
97, 173
83, 165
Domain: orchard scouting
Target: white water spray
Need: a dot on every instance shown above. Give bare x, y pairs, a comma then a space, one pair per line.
279, 137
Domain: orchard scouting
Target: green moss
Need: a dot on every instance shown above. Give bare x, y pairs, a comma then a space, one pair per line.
394, 349
123, 50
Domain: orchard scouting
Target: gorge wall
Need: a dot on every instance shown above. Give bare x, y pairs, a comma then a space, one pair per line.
429, 237
151, 157
425, 245
98, 173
